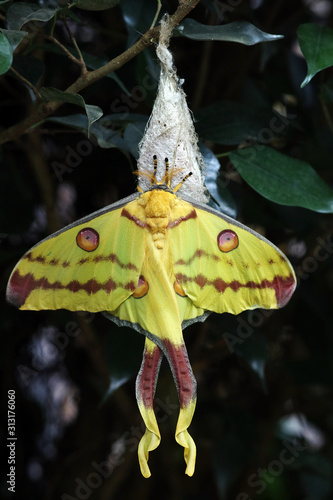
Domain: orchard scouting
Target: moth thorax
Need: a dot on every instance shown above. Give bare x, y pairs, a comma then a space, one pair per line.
159, 204
157, 224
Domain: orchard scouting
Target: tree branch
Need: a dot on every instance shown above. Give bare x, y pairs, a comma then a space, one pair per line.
42, 110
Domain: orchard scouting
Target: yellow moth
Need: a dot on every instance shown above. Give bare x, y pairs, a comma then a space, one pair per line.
155, 261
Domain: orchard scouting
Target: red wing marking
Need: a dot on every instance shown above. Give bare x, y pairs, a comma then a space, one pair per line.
146, 381
182, 372
174, 223
202, 253
40, 259
197, 254
200, 280
138, 222
283, 287
20, 287
89, 259
191, 215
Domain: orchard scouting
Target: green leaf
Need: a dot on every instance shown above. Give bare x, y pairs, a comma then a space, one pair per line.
282, 179
78, 121
104, 131
147, 74
118, 118
21, 13
230, 122
14, 37
138, 17
238, 31
132, 136
220, 194
105, 137
2, 4
108, 137
6, 54
316, 43
50, 94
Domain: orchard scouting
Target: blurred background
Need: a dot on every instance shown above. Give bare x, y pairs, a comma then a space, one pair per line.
264, 418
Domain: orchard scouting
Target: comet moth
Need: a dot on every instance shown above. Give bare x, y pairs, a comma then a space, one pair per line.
155, 261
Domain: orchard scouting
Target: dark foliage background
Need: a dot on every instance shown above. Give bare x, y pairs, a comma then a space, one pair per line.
264, 419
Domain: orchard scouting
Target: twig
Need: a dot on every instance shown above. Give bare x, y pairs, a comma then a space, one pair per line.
70, 34
65, 50
222, 155
24, 80
46, 109
159, 6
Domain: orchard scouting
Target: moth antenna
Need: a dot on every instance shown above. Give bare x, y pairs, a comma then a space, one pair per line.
180, 184
153, 179
167, 175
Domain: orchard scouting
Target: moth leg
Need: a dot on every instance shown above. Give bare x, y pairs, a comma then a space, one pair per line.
145, 390
187, 391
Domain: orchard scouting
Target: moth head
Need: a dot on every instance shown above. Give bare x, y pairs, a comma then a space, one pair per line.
166, 179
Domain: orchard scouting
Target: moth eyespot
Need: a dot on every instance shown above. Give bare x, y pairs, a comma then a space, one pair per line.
141, 289
179, 289
227, 240
88, 239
